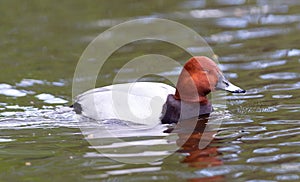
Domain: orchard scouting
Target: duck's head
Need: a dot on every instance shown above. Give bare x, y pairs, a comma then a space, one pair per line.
198, 78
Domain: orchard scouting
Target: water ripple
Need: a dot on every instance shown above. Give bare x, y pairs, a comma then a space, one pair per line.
282, 96
280, 76
30, 82
277, 54
229, 36
51, 99
265, 150
287, 177
6, 140
134, 170
238, 97
290, 144
12, 91
123, 172
278, 3
134, 143
279, 19
273, 134
49, 117
289, 106
266, 159
229, 134
193, 4
284, 122
252, 65
260, 180
285, 167
231, 148
282, 87
8, 90
225, 169
229, 2
232, 22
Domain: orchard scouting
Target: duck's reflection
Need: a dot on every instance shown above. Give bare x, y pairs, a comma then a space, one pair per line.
196, 141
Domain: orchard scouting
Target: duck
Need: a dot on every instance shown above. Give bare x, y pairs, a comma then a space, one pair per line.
153, 103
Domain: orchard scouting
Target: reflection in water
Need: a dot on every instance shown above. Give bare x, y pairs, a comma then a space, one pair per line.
192, 133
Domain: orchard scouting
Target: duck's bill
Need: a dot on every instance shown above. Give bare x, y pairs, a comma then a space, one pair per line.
234, 89
224, 84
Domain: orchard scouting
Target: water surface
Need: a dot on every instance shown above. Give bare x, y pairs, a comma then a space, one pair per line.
257, 44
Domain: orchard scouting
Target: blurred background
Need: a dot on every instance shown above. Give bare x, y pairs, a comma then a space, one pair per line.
257, 44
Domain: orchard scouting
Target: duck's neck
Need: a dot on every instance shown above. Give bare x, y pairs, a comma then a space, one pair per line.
175, 109
202, 99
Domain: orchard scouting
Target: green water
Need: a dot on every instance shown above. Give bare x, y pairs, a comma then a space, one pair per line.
257, 43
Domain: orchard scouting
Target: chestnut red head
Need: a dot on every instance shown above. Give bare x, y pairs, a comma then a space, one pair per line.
200, 76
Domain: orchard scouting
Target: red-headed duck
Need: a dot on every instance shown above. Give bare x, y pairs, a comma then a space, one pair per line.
141, 102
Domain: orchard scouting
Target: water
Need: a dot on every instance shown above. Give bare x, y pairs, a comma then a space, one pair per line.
257, 44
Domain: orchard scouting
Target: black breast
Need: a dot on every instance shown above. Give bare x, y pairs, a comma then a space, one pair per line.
175, 110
